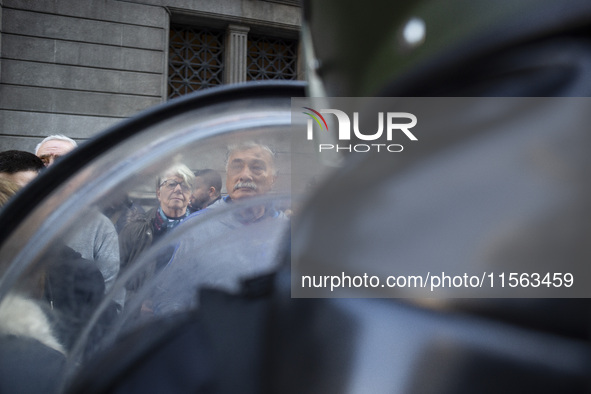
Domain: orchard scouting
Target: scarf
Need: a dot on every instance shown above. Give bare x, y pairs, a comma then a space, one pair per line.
163, 223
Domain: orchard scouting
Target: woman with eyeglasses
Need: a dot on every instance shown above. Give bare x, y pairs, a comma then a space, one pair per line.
173, 190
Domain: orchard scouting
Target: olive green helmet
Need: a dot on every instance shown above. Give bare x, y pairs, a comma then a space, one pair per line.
438, 48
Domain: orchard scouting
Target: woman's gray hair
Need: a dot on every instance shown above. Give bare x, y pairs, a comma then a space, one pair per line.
180, 170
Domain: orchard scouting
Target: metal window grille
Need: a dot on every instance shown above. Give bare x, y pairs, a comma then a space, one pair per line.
271, 58
195, 60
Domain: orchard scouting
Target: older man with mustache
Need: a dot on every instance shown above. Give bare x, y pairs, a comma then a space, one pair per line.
234, 239
250, 172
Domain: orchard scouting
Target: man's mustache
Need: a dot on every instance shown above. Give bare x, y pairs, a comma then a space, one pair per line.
246, 185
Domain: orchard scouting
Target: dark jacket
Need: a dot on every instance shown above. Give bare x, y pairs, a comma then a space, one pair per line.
134, 239
74, 287
31, 357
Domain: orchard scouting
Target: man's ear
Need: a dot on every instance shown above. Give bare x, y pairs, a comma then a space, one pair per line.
158, 194
211, 191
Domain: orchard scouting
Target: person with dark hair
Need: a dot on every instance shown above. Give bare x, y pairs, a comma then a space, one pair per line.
19, 166
41, 318
32, 355
207, 189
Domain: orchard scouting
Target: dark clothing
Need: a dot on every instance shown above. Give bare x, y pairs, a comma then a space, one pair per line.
121, 214
31, 357
74, 287
72, 283
162, 223
138, 235
28, 366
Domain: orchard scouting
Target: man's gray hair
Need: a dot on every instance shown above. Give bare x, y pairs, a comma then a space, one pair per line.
249, 145
59, 137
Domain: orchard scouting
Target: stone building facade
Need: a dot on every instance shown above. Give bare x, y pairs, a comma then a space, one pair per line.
77, 67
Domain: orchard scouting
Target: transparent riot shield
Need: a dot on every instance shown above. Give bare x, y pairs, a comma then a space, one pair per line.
72, 265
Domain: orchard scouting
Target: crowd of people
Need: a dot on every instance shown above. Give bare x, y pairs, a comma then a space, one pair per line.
82, 269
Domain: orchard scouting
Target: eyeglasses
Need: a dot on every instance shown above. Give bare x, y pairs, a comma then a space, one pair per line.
171, 184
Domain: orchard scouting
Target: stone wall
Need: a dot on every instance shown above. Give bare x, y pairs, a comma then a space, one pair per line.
77, 67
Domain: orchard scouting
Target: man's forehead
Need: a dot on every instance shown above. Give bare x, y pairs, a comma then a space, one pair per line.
251, 153
56, 146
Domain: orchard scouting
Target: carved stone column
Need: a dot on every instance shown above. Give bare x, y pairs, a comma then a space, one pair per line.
235, 63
